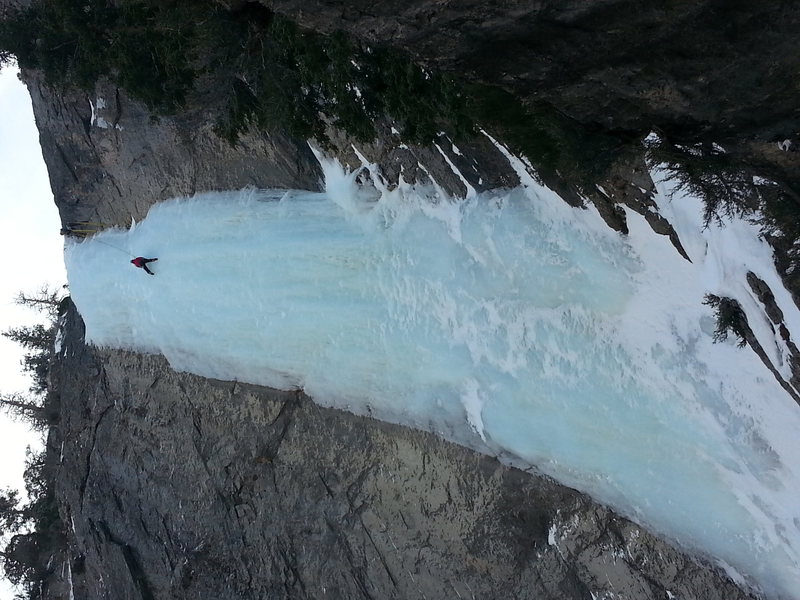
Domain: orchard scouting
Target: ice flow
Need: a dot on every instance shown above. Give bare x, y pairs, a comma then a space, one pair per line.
509, 322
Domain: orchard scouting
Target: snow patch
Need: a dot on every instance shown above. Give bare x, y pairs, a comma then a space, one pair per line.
58, 341
471, 193
551, 535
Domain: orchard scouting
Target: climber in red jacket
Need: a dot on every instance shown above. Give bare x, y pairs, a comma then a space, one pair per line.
141, 262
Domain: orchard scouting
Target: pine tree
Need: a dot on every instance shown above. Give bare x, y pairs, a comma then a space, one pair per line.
45, 299
11, 515
27, 408
32, 337
31, 531
38, 339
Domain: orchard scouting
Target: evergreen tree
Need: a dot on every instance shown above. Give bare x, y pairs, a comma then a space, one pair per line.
731, 318
37, 339
46, 300
27, 408
135, 44
10, 513
31, 531
32, 337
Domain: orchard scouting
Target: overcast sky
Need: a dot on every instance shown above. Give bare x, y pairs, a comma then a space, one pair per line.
31, 251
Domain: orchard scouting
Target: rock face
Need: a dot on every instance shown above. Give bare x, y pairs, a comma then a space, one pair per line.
619, 63
701, 71
176, 486
109, 159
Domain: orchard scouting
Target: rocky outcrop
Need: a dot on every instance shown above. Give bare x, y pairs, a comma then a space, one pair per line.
110, 159
619, 63
774, 316
696, 72
176, 486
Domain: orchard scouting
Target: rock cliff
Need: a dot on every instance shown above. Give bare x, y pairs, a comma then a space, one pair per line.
706, 65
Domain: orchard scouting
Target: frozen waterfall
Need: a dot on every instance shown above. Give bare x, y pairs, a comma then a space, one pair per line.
509, 322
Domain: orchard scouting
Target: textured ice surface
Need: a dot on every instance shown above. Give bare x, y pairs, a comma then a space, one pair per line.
509, 321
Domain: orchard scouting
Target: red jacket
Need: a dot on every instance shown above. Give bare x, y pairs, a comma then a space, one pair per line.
138, 261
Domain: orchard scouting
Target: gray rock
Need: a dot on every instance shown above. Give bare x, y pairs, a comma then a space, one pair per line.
114, 167
619, 63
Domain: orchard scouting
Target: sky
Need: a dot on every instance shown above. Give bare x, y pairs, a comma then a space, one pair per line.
32, 252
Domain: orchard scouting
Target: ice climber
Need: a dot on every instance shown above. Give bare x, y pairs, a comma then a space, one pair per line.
141, 262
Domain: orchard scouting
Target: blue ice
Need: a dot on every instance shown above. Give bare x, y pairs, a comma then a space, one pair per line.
493, 321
